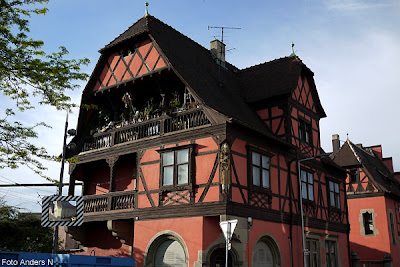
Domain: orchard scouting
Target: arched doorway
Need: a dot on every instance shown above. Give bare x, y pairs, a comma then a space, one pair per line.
266, 253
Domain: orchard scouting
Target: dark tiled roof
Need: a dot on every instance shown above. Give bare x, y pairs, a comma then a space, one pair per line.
141, 26
226, 90
270, 79
345, 157
217, 87
276, 78
373, 165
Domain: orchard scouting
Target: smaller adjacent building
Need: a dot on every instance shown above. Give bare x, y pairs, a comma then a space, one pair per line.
373, 197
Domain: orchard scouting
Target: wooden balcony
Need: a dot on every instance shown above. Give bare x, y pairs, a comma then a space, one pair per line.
122, 200
149, 128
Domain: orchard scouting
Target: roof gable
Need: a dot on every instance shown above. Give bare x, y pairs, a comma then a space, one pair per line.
279, 77
214, 86
227, 90
124, 65
349, 153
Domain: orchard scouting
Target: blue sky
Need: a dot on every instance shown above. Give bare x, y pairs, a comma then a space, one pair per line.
352, 46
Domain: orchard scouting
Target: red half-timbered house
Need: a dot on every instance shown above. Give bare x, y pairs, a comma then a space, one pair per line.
373, 193
173, 139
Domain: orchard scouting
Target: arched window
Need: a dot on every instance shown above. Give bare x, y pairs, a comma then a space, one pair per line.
266, 253
170, 253
166, 250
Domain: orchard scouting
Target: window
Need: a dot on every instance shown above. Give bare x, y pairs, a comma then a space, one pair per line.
262, 255
354, 175
305, 131
334, 195
330, 253
313, 257
368, 223
266, 253
170, 253
167, 249
175, 166
307, 185
260, 170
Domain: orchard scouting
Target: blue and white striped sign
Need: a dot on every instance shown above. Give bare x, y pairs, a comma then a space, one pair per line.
58, 211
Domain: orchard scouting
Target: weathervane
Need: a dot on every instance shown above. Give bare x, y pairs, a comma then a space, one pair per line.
146, 13
292, 54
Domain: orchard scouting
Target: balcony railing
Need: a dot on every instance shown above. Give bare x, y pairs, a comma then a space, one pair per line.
107, 202
153, 127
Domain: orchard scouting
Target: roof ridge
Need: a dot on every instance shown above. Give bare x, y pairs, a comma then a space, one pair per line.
121, 34
190, 39
270, 62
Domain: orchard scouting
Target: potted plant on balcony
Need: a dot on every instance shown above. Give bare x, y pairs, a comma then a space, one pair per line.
149, 109
175, 104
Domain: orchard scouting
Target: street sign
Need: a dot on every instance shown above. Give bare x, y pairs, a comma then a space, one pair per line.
228, 227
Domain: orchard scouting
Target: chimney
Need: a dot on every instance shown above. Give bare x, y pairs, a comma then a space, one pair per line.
218, 50
335, 143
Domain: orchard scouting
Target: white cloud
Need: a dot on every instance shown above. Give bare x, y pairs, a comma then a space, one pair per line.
355, 5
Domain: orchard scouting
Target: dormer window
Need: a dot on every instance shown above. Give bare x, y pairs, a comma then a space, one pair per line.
305, 131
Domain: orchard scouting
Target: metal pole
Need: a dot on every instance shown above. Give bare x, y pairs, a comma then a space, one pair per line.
301, 202
228, 235
55, 239
301, 213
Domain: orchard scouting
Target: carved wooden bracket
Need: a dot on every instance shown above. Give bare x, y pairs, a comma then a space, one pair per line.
72, 167
111, 163
122, 229
77, 233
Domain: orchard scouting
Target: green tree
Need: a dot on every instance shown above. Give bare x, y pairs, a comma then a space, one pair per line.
28, 75
23, 232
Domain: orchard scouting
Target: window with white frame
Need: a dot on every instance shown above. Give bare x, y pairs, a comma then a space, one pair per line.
307, 185
260, 170
367, 222
334, 195
175, 167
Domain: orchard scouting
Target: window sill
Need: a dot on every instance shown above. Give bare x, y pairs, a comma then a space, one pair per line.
308, 202
171, 188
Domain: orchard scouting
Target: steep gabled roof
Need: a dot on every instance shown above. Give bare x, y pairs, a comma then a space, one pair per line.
351, 155
225, 89
276, 78
217, 87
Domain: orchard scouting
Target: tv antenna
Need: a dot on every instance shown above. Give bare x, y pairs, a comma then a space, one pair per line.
222, 30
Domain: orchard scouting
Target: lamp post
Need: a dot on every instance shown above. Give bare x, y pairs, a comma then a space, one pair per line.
305, 251
71, 146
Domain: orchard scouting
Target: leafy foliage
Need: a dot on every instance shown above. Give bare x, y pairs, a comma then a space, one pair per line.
28, 74
23, 232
